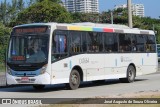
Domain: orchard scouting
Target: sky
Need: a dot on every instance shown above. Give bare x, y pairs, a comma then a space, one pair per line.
152, 7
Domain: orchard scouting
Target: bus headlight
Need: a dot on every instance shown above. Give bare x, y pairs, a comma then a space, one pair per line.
43, 69
8, 70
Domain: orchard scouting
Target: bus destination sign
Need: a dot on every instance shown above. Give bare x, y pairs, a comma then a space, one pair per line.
21, 30
18, 58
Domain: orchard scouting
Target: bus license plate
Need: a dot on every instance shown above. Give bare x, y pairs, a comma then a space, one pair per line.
25, 79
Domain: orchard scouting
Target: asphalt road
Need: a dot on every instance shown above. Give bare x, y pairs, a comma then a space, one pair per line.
86, 90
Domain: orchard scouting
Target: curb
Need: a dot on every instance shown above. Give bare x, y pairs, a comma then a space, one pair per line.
10, 86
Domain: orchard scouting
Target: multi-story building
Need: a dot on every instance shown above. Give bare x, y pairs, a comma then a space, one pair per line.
137, 9
84, 6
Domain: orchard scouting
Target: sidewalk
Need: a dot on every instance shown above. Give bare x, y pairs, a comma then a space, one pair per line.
2, 73
2, 79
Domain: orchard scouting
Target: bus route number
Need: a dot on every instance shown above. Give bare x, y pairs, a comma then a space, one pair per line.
84, 60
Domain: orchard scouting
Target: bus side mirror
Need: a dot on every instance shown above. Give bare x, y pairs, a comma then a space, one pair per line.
155, 32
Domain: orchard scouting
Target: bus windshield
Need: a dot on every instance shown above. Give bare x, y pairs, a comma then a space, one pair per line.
28, 49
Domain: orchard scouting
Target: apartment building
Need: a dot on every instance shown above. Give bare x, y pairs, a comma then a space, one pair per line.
84, 6
137, 9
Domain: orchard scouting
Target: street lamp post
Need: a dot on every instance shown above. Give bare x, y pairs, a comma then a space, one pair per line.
129, 3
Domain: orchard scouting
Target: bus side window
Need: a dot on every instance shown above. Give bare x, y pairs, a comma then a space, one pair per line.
140, 42
84, 46
75, 42
94, 42
150, 45
133, 43
110, 42
59, 45
84, 42
133, 46
121, 48
148, 48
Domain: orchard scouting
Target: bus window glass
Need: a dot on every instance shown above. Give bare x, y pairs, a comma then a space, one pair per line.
84, 41
59, 45
110, 42
75, 42
140, 43
124, 42
17, 50
158, 51
89, 42
133, 43
28, 49
101, 41
150, 45
94, 42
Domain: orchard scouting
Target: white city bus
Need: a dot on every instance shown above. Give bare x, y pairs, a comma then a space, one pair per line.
55, 53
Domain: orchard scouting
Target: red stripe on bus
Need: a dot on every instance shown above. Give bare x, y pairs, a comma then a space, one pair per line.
108, 30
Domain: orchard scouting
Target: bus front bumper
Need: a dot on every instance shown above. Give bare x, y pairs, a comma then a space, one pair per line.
40, 79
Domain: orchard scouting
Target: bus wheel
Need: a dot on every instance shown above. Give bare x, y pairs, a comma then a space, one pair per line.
131, 73
74, 80
38, 87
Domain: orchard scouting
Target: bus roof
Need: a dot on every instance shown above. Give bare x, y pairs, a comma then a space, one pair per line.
97, 27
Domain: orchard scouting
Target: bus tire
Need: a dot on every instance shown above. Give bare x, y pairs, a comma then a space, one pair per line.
131, 73
38, 87
74, 80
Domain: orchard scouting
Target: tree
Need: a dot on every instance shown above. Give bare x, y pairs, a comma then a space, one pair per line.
105, 17
85, 17
13, 12
4, 37
20, 5
45, 11
30, 3
8, 11
3, 11
56, 1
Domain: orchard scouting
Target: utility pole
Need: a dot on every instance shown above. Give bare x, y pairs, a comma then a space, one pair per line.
111, 17
129, 3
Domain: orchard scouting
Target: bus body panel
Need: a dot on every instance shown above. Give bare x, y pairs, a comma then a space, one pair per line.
60, 71
104, 66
